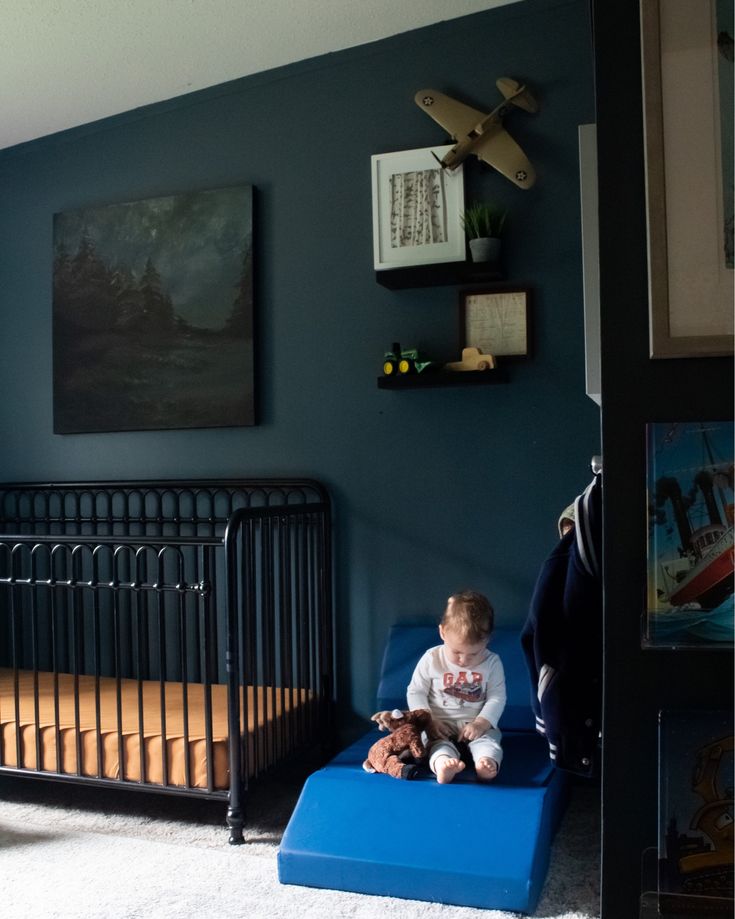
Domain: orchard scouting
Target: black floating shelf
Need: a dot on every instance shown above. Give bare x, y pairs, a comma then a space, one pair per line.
443, 378
437, 275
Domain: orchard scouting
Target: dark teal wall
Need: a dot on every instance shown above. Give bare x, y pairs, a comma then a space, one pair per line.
433, 489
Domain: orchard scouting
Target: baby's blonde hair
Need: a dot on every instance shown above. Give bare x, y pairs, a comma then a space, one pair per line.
470, 616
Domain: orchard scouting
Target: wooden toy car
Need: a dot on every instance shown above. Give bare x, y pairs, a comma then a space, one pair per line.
472, 359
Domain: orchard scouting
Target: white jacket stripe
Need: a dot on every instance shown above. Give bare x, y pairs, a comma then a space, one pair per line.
544, 678
585, 545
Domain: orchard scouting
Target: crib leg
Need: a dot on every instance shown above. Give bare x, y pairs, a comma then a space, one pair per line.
235, 821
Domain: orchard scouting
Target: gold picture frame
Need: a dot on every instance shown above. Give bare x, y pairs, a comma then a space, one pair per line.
496, 320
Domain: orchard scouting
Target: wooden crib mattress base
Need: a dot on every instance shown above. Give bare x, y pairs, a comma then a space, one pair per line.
94, 735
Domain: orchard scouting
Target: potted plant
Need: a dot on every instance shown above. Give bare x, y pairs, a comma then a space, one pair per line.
483, 224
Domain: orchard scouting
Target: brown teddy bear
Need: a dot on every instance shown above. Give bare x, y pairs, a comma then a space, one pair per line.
389, 754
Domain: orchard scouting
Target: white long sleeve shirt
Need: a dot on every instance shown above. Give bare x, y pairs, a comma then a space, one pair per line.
458, 694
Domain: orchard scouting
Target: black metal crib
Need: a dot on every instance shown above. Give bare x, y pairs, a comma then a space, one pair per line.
166, 636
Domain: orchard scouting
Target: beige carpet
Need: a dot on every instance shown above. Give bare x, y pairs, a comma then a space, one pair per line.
70, 851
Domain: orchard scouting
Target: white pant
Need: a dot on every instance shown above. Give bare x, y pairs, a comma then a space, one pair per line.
488, 744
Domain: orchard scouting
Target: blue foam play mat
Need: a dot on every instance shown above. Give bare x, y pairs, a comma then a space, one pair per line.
468, 844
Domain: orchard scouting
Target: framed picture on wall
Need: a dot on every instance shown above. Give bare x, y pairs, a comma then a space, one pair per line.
695, 864
690, 535
688, 107
417, 209
496, 321
153, 314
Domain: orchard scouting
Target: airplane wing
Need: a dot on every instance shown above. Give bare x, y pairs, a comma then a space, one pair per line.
455, 117
497, 148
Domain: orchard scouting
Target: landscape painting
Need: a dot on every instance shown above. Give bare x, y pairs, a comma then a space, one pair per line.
153, 314
690, 535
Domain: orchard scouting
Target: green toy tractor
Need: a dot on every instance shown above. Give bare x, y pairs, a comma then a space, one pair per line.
399, 361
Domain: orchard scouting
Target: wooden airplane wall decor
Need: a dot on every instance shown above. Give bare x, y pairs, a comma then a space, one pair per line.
483, 134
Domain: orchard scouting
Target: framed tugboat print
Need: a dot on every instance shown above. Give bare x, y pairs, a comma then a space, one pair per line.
690, 535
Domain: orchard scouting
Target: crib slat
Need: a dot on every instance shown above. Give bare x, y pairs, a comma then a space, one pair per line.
234, 810
96, 663
184, 679
55, 667
14, 643
208, 628
250, 672
313, 623
284, 608
143, 669
34, 664
162, 674
269, 630
70, 564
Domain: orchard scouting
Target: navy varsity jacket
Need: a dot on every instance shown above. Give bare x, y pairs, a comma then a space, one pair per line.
562, 640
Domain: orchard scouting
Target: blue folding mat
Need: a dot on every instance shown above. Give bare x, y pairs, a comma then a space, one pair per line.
467, 843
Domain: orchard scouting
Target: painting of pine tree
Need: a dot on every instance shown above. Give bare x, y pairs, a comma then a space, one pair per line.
153, 314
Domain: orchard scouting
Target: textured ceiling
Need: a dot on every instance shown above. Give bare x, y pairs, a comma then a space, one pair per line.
69, 62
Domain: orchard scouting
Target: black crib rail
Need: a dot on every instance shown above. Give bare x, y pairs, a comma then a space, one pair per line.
186, 589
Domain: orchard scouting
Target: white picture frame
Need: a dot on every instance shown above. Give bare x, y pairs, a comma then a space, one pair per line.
427, 228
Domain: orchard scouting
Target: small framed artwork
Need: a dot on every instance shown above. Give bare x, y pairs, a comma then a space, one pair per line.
417, 209
496, 321
690, 536
695, 863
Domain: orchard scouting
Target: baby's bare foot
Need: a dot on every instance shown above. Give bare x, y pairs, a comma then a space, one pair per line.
446, 768
486, 769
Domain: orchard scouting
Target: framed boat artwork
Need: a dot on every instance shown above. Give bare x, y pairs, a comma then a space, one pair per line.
690, 535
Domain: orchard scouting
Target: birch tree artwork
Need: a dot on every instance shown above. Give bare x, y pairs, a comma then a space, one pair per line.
418, 208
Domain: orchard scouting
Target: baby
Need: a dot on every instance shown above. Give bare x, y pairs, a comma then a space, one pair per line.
462, 684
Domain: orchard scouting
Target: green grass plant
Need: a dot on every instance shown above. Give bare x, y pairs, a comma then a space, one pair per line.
483, 219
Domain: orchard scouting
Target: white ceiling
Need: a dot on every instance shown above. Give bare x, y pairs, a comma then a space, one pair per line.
69, 62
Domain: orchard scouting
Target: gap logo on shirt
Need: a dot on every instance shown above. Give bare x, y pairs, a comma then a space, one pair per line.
465, 686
